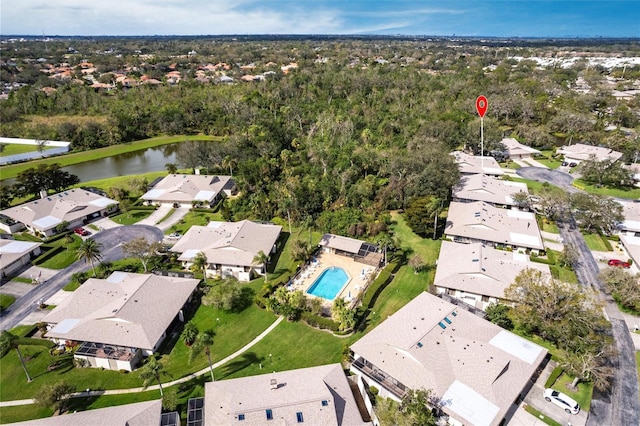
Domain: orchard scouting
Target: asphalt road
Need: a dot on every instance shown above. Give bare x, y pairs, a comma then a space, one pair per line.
111, 251
554, 177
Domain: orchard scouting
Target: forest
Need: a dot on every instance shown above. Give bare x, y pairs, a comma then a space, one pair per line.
362, 126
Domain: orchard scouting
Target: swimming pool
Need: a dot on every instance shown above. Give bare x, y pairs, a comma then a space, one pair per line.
329, 283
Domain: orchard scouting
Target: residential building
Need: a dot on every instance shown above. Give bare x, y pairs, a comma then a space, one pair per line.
517, 150
312, 396
631, 223
74, 206
120, 319
473, 164
479, 371
579, 152
229, 247
480, 222
360, 251
183, 190
632, 246
478, 274
15, 254
478, 187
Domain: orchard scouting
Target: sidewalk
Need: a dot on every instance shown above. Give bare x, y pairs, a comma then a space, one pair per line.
164, 385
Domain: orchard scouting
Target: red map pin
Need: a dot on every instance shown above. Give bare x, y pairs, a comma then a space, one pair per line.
481, 105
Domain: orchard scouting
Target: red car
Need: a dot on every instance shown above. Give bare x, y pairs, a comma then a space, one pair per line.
82, 231
619, 263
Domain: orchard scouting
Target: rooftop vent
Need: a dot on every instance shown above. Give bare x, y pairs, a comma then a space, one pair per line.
274, 384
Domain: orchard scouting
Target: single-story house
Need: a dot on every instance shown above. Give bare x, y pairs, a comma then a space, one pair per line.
631, 223
229, 247
632, 245
479, 274
478, 187
474, 164
74, 206
480, 222
15, 254
635, 169
360, 251
184, 190
118, 320
147, 413
580, 152
315, 395
517, 150
479, 371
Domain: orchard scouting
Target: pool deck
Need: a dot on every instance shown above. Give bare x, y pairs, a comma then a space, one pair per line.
355, 284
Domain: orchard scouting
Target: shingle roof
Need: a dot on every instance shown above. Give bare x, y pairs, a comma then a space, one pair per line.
68, 206
479, 187
126, 309
228, 243
583, 152
187, 188
349, 245
476, 164
297, 391
11, 250
631, 212
483, 222
516, 148
478, 269
471, 362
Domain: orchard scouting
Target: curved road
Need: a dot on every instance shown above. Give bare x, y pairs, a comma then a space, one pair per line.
619, 405
111, 251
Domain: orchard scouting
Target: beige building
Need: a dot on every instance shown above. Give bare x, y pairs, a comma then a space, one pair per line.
517, 150
118, 320
473, 164
480, 222
312, 396
15, 254
479, 274
183, 190
229, 247
479, 371
360, 251
75, 206
580, 152
479, 187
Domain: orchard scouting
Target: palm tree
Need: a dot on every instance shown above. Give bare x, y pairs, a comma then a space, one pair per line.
10, 341
199, 263
189, 333
151, 371
203, 341
89, 250
261, 259
229, 162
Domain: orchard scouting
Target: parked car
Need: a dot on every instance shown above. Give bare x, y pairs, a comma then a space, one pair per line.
174, 235
564, 163
563, 401
619, 263
82, 231
573, 164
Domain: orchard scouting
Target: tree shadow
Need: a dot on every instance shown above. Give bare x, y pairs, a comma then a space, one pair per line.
280, 243
244, 361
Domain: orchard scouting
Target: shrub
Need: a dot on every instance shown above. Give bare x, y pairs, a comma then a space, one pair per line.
320, 322
553, 377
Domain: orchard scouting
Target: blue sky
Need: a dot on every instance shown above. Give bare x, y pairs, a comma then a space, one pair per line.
522, 18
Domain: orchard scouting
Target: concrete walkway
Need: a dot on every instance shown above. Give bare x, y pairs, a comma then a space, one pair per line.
160, 213
206, 370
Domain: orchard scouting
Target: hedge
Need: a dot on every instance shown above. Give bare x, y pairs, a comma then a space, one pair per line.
48, 255
606, 242
318, 321
553, 377
379, 283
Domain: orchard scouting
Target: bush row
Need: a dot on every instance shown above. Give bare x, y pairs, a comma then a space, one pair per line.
48, 254
379, 283
319, 322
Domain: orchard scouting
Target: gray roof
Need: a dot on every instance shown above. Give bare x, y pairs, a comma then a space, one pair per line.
477, 367
583, 152
483, 222
187, 188
126, 309
145, 413
297, 391
349, 245
228, 243
48, 212
516, 148
477, 187
631, 212
476, 268
632, 245
470, 164
11, 250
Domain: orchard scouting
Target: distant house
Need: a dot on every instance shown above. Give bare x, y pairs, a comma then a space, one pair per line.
517, 150
635, 169
147, 413
480, 222
632, 245
479, 371
360, 251
230, 247
315, 395
15, 254
478, 274
578, 152
183, 190
479, 187
120, 319
75, 206
472, 164
631, 223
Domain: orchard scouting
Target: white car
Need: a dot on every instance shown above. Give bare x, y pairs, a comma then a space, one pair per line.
563, 401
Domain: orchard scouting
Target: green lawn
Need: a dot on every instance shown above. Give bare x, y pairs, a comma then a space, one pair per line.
14, 148
132, 216
6, 300
550, 227
66, 255
94, 154
542, 417
582, 395
633, 194
594, 242
548, 160
22, 280
193, 218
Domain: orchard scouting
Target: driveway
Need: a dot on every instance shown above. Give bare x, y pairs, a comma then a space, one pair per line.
554, 177
110, 239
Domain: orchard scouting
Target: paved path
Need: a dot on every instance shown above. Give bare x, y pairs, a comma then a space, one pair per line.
164, 385
160, 213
